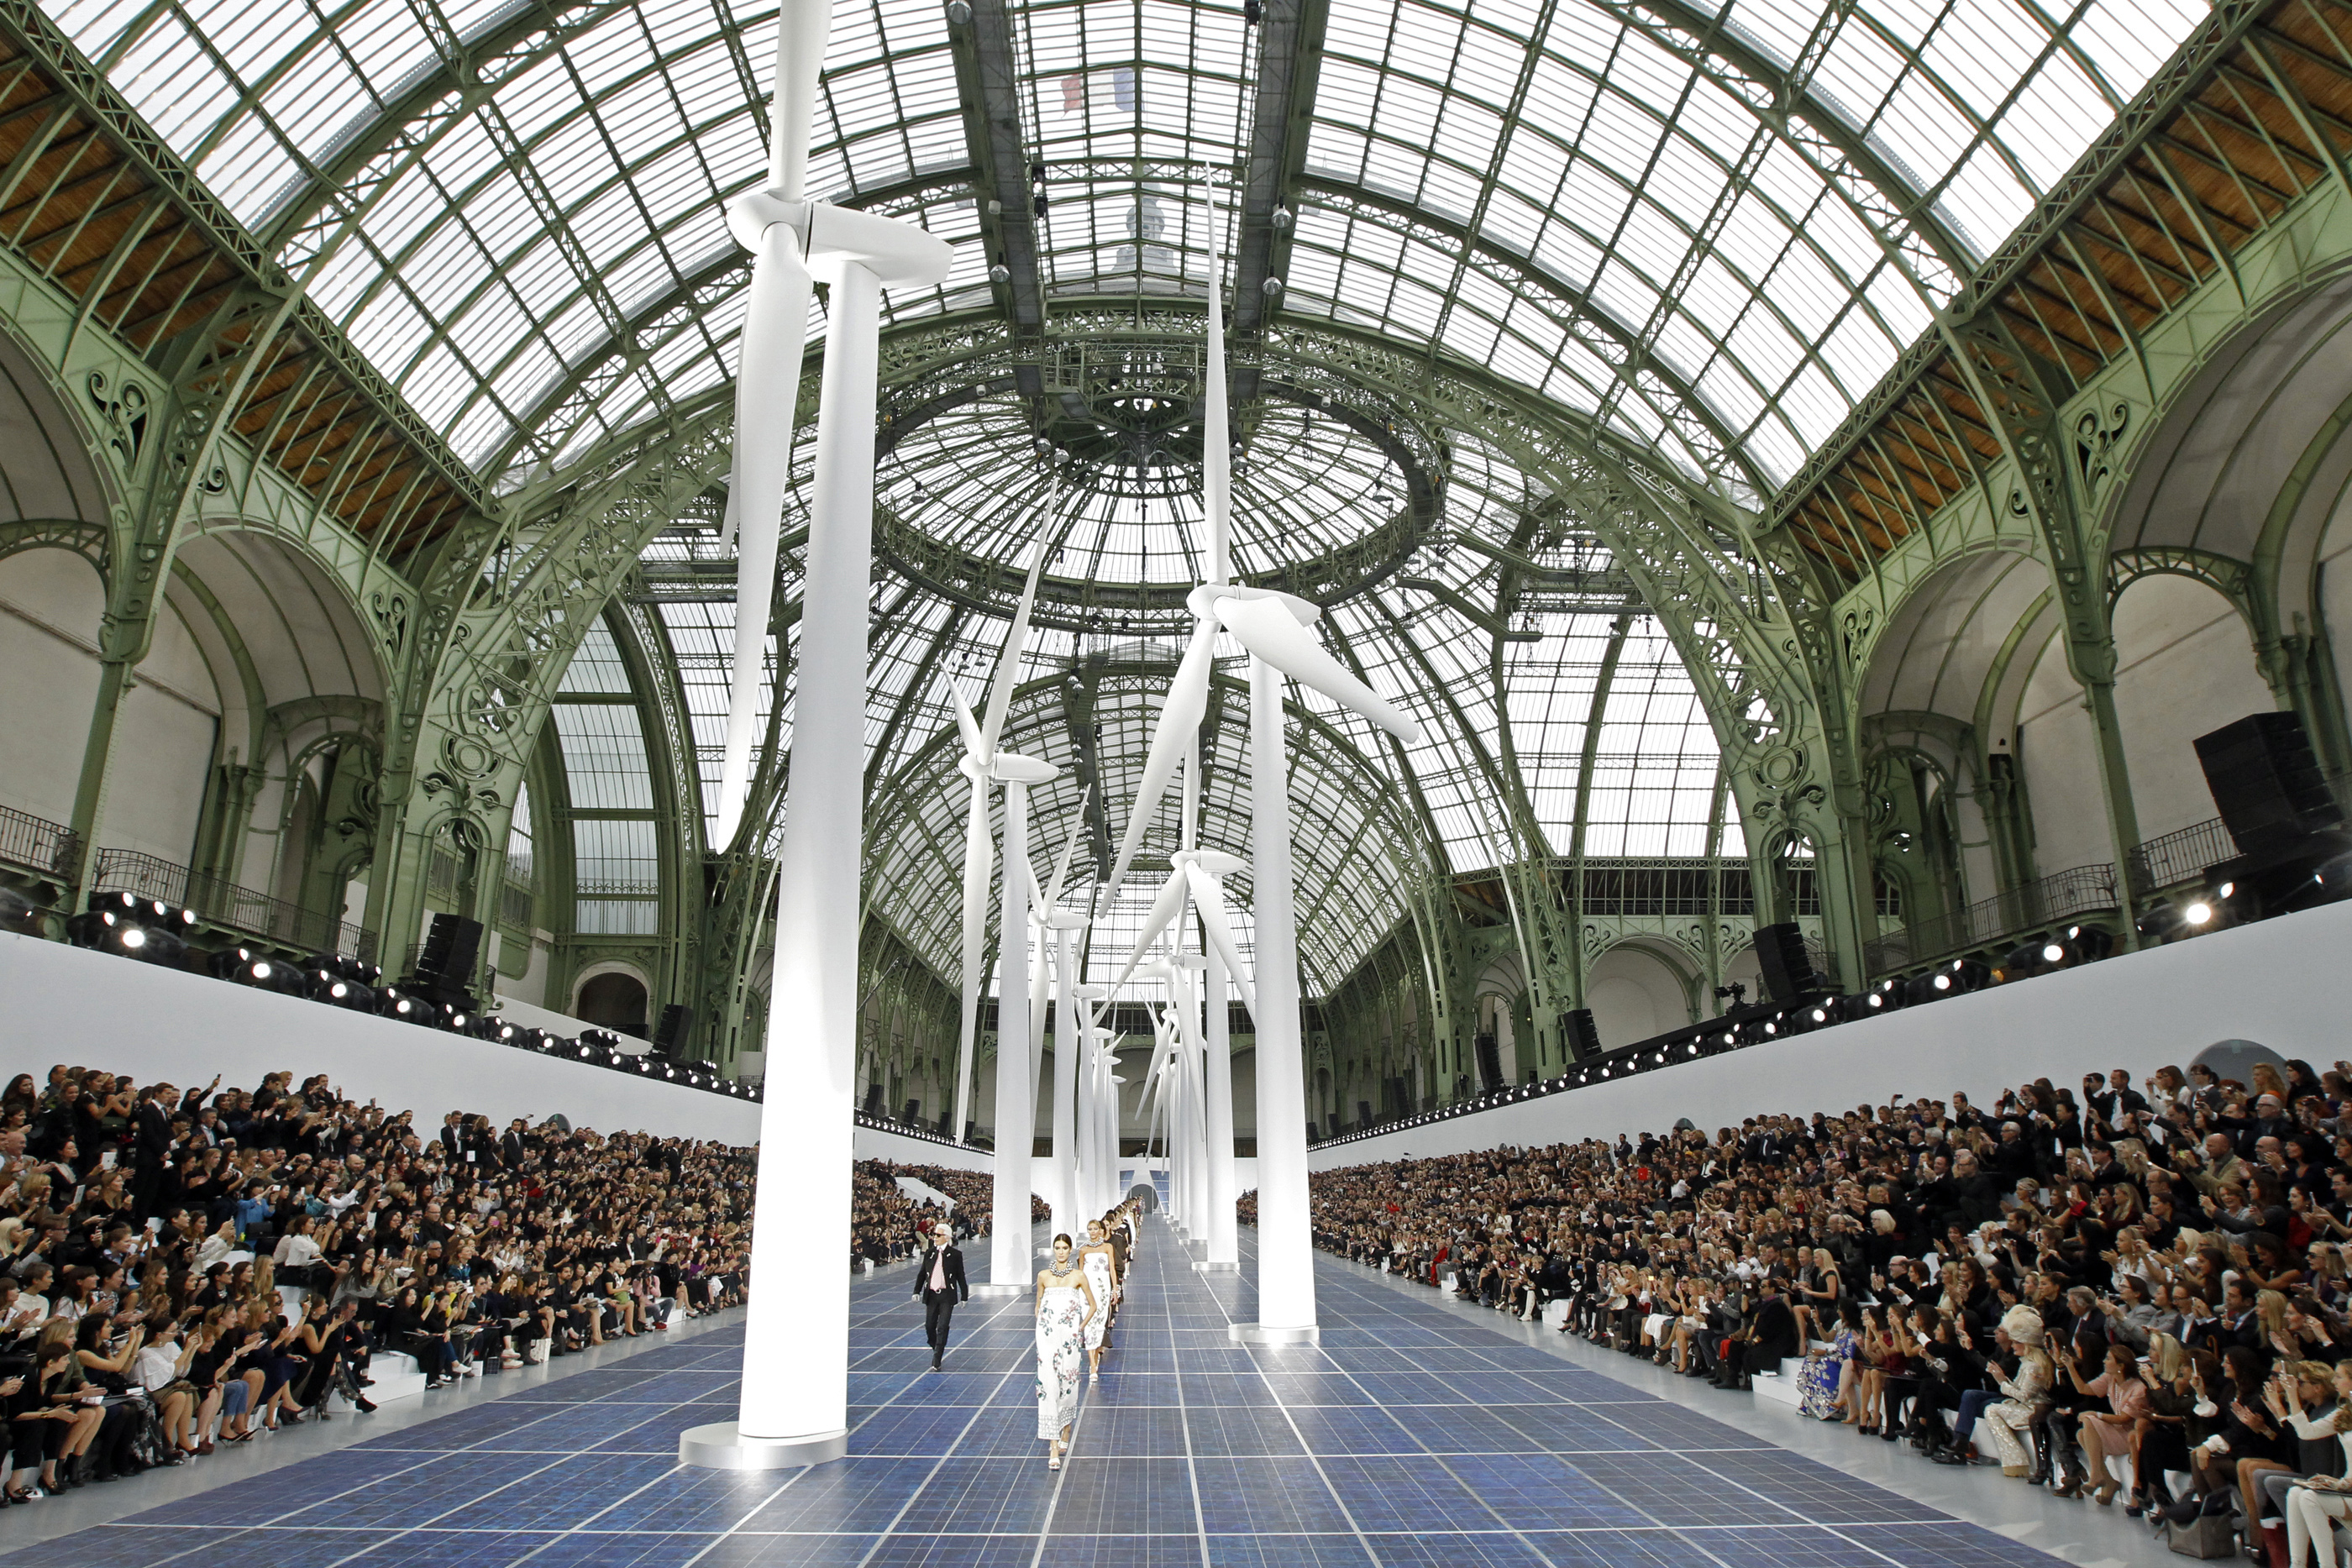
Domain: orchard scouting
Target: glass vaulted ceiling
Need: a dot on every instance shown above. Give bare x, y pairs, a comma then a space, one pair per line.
1639, 206
1754, 206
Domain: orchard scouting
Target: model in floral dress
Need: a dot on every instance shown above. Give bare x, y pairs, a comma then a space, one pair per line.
1066, 1303
1096, 1258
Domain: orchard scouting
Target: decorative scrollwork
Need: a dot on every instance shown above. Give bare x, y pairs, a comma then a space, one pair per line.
124, 412
2097, 433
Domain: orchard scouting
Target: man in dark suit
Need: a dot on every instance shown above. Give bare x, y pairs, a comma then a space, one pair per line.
1770, 1338
153, 1148
938, 1280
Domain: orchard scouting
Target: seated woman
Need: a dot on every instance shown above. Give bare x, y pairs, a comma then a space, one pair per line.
1829, 1375
50, 1411
2110, 1434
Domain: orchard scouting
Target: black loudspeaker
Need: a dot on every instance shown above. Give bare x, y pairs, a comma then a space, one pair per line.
1363, 1112
874, 1099
914, 1116
2265, 781
1788, 967
444, 967
1490, 1061
1578, 1031
669, 1034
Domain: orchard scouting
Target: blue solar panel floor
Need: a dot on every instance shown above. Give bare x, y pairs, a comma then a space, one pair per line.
1409, 1438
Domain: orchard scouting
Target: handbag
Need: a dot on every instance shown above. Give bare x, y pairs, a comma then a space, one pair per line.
2207, 1536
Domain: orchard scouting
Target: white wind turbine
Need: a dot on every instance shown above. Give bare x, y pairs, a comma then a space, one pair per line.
1087, 1104
795, 1386
1273, 627
1057, 930
979, 764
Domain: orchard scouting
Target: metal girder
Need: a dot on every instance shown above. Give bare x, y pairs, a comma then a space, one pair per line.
267, 276
1902, 218
1289, 64
2183, 77
988, 82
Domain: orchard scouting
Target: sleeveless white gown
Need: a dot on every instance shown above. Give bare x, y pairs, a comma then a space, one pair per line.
1061, 1357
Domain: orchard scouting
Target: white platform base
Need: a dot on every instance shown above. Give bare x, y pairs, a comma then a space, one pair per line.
1275, 1333
998, 1292
1788, 1388
720, 1446
1216, 1268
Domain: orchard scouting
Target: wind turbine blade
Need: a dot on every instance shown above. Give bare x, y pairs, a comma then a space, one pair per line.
1180, 716
1209, 898
801, 39
1268, 629
731, 521
1216, 455
967, 727
1163, 911
978, 869
766, 393
1008, 662
1069, 848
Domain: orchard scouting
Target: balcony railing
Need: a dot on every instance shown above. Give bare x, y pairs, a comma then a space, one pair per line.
2062, 895
2182, 857
36, 843
224, 902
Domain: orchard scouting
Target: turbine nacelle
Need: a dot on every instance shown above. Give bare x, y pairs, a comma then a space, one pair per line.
1012, 768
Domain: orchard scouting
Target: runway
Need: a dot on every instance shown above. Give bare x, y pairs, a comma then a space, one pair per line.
1412, 1437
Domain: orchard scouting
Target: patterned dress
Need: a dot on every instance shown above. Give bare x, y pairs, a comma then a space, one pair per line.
1819, 1388
1061, 1311
1097, 1265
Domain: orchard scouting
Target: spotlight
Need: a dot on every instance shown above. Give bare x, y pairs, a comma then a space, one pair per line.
2199, 913
16, 909
226, 964
131, 937
2226, 892
2091, 942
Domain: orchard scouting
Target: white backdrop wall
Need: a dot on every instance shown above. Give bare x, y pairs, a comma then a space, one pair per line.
2273, 983
67, 1004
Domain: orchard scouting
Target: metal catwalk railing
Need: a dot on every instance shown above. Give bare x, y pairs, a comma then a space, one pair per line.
36, 843
224, 903
2062, 895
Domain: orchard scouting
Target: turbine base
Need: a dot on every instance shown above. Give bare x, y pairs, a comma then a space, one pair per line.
1273, 1334
721, 1446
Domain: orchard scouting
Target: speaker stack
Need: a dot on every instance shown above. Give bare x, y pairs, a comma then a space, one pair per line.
669, 1034
1578, 1031
2272, 795
1788, 968
445, 965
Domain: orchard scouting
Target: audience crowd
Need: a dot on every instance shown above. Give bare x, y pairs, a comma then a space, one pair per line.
186, 1265
2134, 1290
889, 1222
